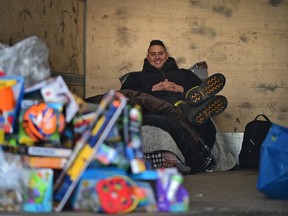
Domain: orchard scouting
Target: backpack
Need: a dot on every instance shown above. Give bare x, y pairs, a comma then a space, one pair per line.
254, 135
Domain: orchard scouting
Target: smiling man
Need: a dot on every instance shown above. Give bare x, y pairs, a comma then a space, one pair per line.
192, 99
161, 77
177, 101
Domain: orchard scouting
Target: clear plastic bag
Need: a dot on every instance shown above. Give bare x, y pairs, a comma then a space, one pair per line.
27, 58
11, 182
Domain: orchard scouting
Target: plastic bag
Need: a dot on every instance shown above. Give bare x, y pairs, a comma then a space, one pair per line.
273, 170
27, 58
11, 182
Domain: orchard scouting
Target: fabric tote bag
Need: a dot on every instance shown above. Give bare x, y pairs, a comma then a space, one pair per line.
273, 169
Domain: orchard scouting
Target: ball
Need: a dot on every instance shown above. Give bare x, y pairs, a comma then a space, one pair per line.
41, 121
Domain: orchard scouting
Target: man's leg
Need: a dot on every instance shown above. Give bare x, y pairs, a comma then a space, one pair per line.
201, 102
171, 119
188, 148
185, 134
154, 105
198, 115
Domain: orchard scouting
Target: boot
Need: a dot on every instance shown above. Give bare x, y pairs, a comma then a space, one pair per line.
198, 115
208, 89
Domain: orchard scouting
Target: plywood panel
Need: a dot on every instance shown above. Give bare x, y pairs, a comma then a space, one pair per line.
59, 23
245, 40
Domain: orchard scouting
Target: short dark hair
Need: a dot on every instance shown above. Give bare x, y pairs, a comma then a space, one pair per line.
157, 42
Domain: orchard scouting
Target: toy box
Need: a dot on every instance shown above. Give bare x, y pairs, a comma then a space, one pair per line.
38, 195
11, 94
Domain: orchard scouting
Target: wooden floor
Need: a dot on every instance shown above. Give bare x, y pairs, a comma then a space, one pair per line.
230, 193
217, 193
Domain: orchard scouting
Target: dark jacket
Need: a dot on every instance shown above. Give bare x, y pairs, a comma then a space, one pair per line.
149, 76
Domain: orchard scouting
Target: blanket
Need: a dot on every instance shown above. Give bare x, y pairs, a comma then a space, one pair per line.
155, 139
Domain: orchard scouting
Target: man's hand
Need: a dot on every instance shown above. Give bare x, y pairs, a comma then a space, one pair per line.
167, 86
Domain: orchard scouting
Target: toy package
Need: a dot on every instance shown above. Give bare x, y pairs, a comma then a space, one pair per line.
134, 140
11, 94
170, 192
2, 130
147, 200
109, 110
44, 162
85, 196
57, 91
38, 194
54, 90
41, 123
113, 150
121, 196
118, 194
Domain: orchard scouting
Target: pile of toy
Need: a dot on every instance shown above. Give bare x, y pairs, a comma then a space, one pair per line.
58, 154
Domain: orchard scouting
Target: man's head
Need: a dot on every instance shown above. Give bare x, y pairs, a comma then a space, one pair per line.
157, 54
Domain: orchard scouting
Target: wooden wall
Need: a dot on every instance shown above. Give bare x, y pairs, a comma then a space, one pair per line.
245, 40
59, 23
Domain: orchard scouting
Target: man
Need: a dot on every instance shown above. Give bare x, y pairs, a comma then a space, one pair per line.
161, 78
177, 101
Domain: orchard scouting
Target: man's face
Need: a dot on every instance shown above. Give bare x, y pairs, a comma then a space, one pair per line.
157, 56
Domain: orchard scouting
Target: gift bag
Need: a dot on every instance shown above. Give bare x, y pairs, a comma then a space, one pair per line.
273, 169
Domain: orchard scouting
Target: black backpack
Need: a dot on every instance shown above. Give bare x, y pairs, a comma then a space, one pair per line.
254, 135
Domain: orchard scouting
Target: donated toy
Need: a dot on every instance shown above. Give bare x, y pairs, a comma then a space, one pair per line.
134, 144
54, 90
38, 196
171, 194
11, 93
41, 122
117, 194
108, 112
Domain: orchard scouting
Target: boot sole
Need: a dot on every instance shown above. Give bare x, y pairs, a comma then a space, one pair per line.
209, 88
209, 109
